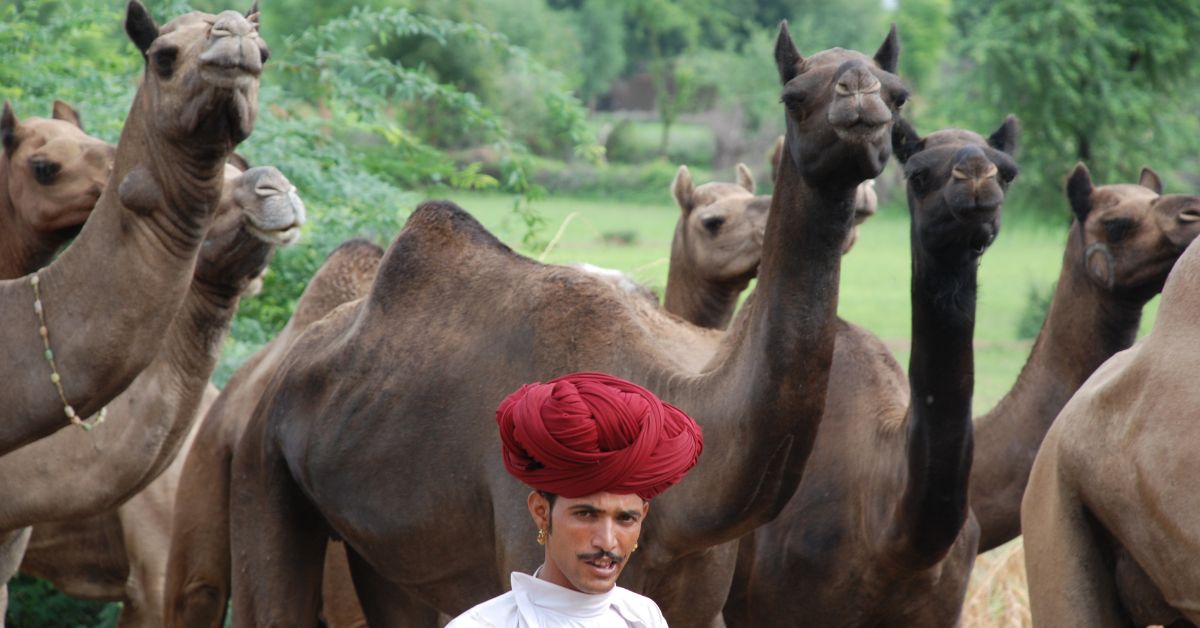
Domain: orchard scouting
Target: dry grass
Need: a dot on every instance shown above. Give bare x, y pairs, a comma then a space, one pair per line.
998, 596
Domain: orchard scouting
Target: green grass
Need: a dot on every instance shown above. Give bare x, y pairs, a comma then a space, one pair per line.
875, 275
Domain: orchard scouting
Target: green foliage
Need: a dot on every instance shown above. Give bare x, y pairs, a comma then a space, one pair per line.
34, 603
1111, 82
923, 27
1037, 304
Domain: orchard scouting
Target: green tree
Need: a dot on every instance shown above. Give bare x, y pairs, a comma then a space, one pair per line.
1109, 82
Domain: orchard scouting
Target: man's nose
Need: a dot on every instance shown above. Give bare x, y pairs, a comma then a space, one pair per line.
605, 536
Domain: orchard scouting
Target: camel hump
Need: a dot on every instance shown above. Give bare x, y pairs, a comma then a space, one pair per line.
346, 274
439, 240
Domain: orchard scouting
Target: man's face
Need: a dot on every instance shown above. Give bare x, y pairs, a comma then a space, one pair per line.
589, 538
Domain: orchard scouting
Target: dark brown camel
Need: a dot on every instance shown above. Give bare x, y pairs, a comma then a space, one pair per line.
878, 534
198, 576
397, 453
1121, 245
110, 297
51, 175
866, 202
716, 247
149, 422
1110, 517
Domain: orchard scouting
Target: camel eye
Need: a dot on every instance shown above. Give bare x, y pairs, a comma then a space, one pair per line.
901, 98
44, 171
164, 61
1118, 229
713, 224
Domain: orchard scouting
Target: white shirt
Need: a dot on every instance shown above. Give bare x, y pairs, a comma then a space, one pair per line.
536, 603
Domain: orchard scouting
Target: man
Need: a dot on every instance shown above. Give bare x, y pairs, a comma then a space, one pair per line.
595, 448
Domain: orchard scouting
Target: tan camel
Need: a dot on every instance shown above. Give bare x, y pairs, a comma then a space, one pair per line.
716, 247
878, 533
198, 577
455, 320
51, 175
1110, 516
1119, 250
148, 422
110, 297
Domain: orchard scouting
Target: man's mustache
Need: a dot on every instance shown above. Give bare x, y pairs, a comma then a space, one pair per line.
597, 555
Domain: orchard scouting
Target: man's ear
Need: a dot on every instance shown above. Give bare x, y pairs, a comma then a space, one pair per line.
645, 508
539, 509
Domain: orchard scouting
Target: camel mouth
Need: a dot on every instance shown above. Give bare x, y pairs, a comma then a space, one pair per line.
860, 132
231, 76
279, 218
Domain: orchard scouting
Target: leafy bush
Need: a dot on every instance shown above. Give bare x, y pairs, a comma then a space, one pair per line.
1033, 314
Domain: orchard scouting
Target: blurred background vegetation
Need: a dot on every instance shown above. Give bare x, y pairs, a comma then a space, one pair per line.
537, 113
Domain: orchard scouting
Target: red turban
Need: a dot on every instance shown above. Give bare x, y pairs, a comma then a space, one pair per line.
586, 433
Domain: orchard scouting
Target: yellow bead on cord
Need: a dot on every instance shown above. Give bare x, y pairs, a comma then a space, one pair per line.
55, 378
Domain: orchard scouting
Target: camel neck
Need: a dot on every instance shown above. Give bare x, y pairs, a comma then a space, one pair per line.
933, 506
699, 301
764, 396
1084, 326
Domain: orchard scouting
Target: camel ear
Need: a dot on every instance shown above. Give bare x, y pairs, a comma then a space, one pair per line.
1079, 192
140, 26
8, 129
682, 189
1150, 179
1005, 137
253, 14
787, 58
888, 55
66, 113
744, 178
776, 157
905, 141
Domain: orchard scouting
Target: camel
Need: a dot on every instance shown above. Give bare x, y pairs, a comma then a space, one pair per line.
455, 321
198, 577
879, 533
1110, 513
716, 247
117, 287
149, 422
1119, 250
51, 175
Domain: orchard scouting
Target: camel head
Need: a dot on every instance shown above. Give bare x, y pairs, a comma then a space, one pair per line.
55, 171
720, 232
841, 105
866, 203
956, 182
201, 79
1132, 235
259, 211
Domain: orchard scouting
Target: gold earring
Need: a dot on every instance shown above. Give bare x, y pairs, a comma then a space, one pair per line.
541, 537
634, 548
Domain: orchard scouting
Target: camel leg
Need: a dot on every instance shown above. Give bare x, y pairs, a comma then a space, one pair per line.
1070, 582
147, 536
339, 602
277, 539
12, 550
386, 604
197, 582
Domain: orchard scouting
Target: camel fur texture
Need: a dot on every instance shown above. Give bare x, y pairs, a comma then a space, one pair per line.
455, 321
866, 201
198, 568
51, 175
1110, 513
1120, 247
879, 532
118, 286
149, 422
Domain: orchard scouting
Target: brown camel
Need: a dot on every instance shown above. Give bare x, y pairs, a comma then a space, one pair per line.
455, 321
198, 576
110, 297
885, 538
51, 175
1119, 250
148, 422
1110, 516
